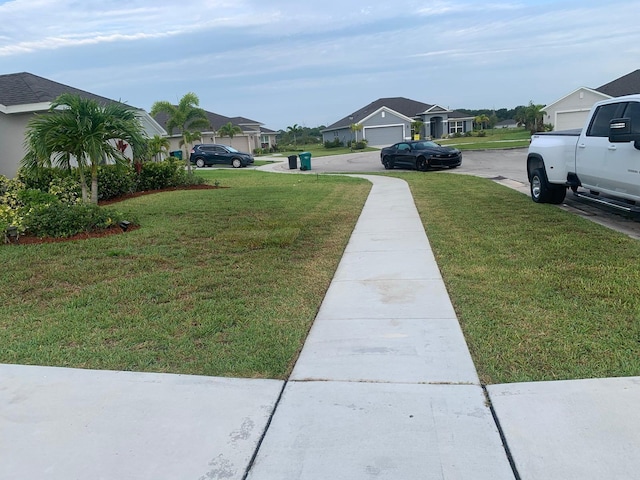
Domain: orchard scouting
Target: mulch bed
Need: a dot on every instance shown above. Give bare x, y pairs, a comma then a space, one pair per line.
113, 230
149, 192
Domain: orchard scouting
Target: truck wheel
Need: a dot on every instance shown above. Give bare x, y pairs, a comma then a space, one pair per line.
542, 192
539, 186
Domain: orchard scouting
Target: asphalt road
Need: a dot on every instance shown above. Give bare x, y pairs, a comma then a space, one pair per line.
504, 166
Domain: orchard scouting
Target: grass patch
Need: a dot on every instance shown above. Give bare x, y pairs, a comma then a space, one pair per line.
541, 294
498, 138
318, 150
219, 282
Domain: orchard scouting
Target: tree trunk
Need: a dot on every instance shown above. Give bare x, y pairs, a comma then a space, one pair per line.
94, 186
83, 185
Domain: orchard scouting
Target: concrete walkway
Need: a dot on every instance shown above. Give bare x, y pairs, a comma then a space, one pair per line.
384, 388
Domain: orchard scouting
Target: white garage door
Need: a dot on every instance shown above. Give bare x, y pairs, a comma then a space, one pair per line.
569, 120
383, 136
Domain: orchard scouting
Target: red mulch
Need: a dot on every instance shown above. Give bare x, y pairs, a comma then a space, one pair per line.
113, 230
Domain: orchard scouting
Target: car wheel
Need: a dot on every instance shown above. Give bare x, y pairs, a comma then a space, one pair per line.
387, 163
542, 192
422, 164
236, 162
200, 162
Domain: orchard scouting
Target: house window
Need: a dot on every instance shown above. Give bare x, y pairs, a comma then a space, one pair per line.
456, 126
335, 134
383, 114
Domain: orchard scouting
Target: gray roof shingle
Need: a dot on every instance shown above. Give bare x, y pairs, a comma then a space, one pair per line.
626, 85
215, 121
405, 106
25, 88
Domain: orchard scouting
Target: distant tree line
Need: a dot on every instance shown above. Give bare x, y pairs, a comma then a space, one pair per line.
528, 116
297, 135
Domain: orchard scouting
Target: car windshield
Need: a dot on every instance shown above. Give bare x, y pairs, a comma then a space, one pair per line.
232, 150
423, 145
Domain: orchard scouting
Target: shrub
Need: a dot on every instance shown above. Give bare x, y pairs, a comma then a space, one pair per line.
62, 220
482, 133
335, 143
66, 189
159, 175
359, 145
41, 178
115, 181
30, 197
468, 134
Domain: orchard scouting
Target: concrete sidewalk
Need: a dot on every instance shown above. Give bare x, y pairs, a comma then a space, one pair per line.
384, 388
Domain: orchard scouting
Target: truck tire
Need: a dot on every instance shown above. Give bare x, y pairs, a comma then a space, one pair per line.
542, 192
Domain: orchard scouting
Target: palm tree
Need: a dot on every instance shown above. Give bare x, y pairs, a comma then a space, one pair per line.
187, 116
481, 120
355, 128
158, 145
293, 130
81, 129
532, 117
229, 130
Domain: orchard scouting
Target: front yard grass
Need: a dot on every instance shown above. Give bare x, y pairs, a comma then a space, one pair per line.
227, 282
541, 294
221, 282
498, 138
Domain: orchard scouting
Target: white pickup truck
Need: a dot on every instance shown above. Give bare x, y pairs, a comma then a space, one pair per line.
602, 158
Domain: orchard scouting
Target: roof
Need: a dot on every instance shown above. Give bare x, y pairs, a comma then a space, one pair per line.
215, 121
404, 106
626, 85
27, 89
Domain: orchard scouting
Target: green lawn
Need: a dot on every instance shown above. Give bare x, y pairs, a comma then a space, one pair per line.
493, 139
216, 282
541, 294
227, 281
318, 150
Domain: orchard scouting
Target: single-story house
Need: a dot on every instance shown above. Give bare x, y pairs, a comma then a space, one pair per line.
510, 123
388, 120
572, 110
21, 96
253, 135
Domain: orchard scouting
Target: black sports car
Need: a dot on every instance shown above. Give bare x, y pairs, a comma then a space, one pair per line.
421, 155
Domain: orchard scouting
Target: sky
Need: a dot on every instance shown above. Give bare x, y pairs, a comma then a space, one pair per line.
285, 62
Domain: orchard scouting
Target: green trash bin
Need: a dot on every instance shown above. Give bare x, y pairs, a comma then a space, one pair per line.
305, 161
176, 153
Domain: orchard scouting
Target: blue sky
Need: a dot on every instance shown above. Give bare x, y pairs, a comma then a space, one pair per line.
282, 62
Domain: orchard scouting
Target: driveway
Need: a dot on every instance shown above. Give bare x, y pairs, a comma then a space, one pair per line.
504, 166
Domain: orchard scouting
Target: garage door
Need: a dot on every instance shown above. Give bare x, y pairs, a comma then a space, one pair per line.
383, 136
569, 120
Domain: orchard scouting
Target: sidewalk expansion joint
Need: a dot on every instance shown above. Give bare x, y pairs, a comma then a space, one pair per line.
503, 438
264, 432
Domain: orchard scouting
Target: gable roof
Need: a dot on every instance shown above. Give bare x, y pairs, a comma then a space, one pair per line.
626, 85
404, 106
20, 90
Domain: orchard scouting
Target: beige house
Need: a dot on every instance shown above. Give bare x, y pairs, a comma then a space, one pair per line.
253, 135
22, 95
572, 110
